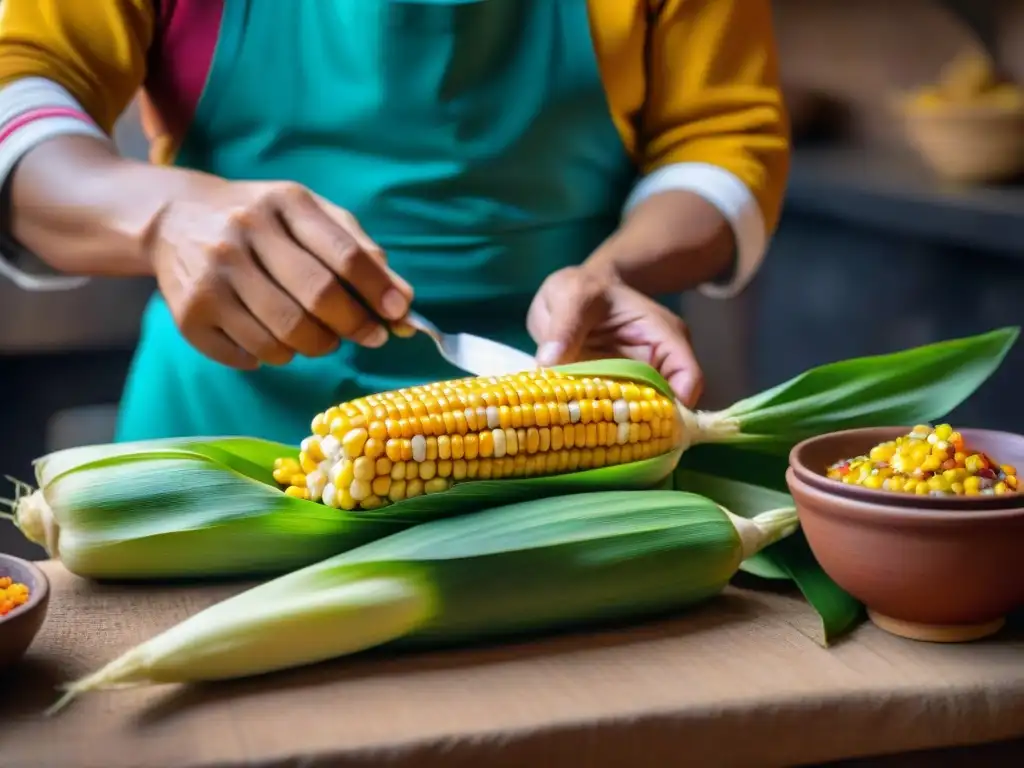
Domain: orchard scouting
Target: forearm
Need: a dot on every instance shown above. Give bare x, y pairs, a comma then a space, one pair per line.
84, 210
713, 150
68, 70
669, 242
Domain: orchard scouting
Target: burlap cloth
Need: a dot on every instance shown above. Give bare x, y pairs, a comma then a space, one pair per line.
739, 682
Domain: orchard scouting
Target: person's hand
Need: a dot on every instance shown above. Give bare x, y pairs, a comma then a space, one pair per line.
581, 314
257, 272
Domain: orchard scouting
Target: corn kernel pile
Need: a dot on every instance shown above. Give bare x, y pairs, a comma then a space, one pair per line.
12, 595
927, 462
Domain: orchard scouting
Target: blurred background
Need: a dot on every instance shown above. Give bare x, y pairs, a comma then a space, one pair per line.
880, 247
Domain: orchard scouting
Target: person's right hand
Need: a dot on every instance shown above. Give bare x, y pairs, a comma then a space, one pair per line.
257, 272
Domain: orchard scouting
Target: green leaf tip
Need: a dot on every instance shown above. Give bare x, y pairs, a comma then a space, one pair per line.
912, 386
620, 369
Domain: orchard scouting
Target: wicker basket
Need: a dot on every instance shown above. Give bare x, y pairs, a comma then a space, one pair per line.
968, 143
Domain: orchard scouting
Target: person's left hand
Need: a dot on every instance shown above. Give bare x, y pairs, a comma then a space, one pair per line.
583, 314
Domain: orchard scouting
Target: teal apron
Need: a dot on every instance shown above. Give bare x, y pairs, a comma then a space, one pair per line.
472, 140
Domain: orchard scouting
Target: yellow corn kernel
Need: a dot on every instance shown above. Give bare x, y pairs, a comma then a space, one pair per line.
396, 491
972, 485
973, 463
307, 463
381, 485
883, 452
436, 485
311, 446
359, 489
363, 469
320, 425
873, 481
353, 441
955, 474
371, 502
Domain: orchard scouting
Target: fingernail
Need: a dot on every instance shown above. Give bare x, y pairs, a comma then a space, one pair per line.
550, 353
397, 279
374, 338
395, 304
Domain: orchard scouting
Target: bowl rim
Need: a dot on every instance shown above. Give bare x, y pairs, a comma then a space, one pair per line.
36, 596
876, 512
903, 102
972, 506
818, 480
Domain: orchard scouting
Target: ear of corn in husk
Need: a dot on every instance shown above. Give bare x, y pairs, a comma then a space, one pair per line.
179, 508
528, 567
165, 509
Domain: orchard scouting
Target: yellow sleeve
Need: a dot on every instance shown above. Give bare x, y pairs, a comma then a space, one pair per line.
714, 96
697, 81
96, 49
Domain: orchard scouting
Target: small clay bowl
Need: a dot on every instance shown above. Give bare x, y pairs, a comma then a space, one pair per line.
926, 570
19, 627
811, 458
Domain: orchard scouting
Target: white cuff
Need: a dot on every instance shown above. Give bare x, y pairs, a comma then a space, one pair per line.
34, 110
732, 198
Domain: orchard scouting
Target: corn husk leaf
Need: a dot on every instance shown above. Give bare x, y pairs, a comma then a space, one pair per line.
790, 559
905, 387
551, 564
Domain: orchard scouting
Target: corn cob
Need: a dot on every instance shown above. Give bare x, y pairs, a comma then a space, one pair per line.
421, 440
528, 567
212, 506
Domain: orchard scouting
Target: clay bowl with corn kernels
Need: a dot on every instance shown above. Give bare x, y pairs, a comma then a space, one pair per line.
941, 568
20, 624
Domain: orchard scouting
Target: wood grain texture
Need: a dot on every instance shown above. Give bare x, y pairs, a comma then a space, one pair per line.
739, 682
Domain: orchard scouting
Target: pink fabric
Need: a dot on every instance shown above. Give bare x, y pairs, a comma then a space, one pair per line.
41, 114
183, 49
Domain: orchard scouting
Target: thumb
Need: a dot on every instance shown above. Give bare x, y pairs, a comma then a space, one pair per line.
576, 305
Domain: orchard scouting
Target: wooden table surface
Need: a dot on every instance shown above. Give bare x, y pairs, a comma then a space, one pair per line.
742, 681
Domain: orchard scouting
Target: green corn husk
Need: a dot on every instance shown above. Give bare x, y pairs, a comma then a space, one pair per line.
535, 566
789, 559
208, 507
179, 509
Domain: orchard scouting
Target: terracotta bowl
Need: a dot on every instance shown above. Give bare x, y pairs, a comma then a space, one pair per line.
928, 569
19, 627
